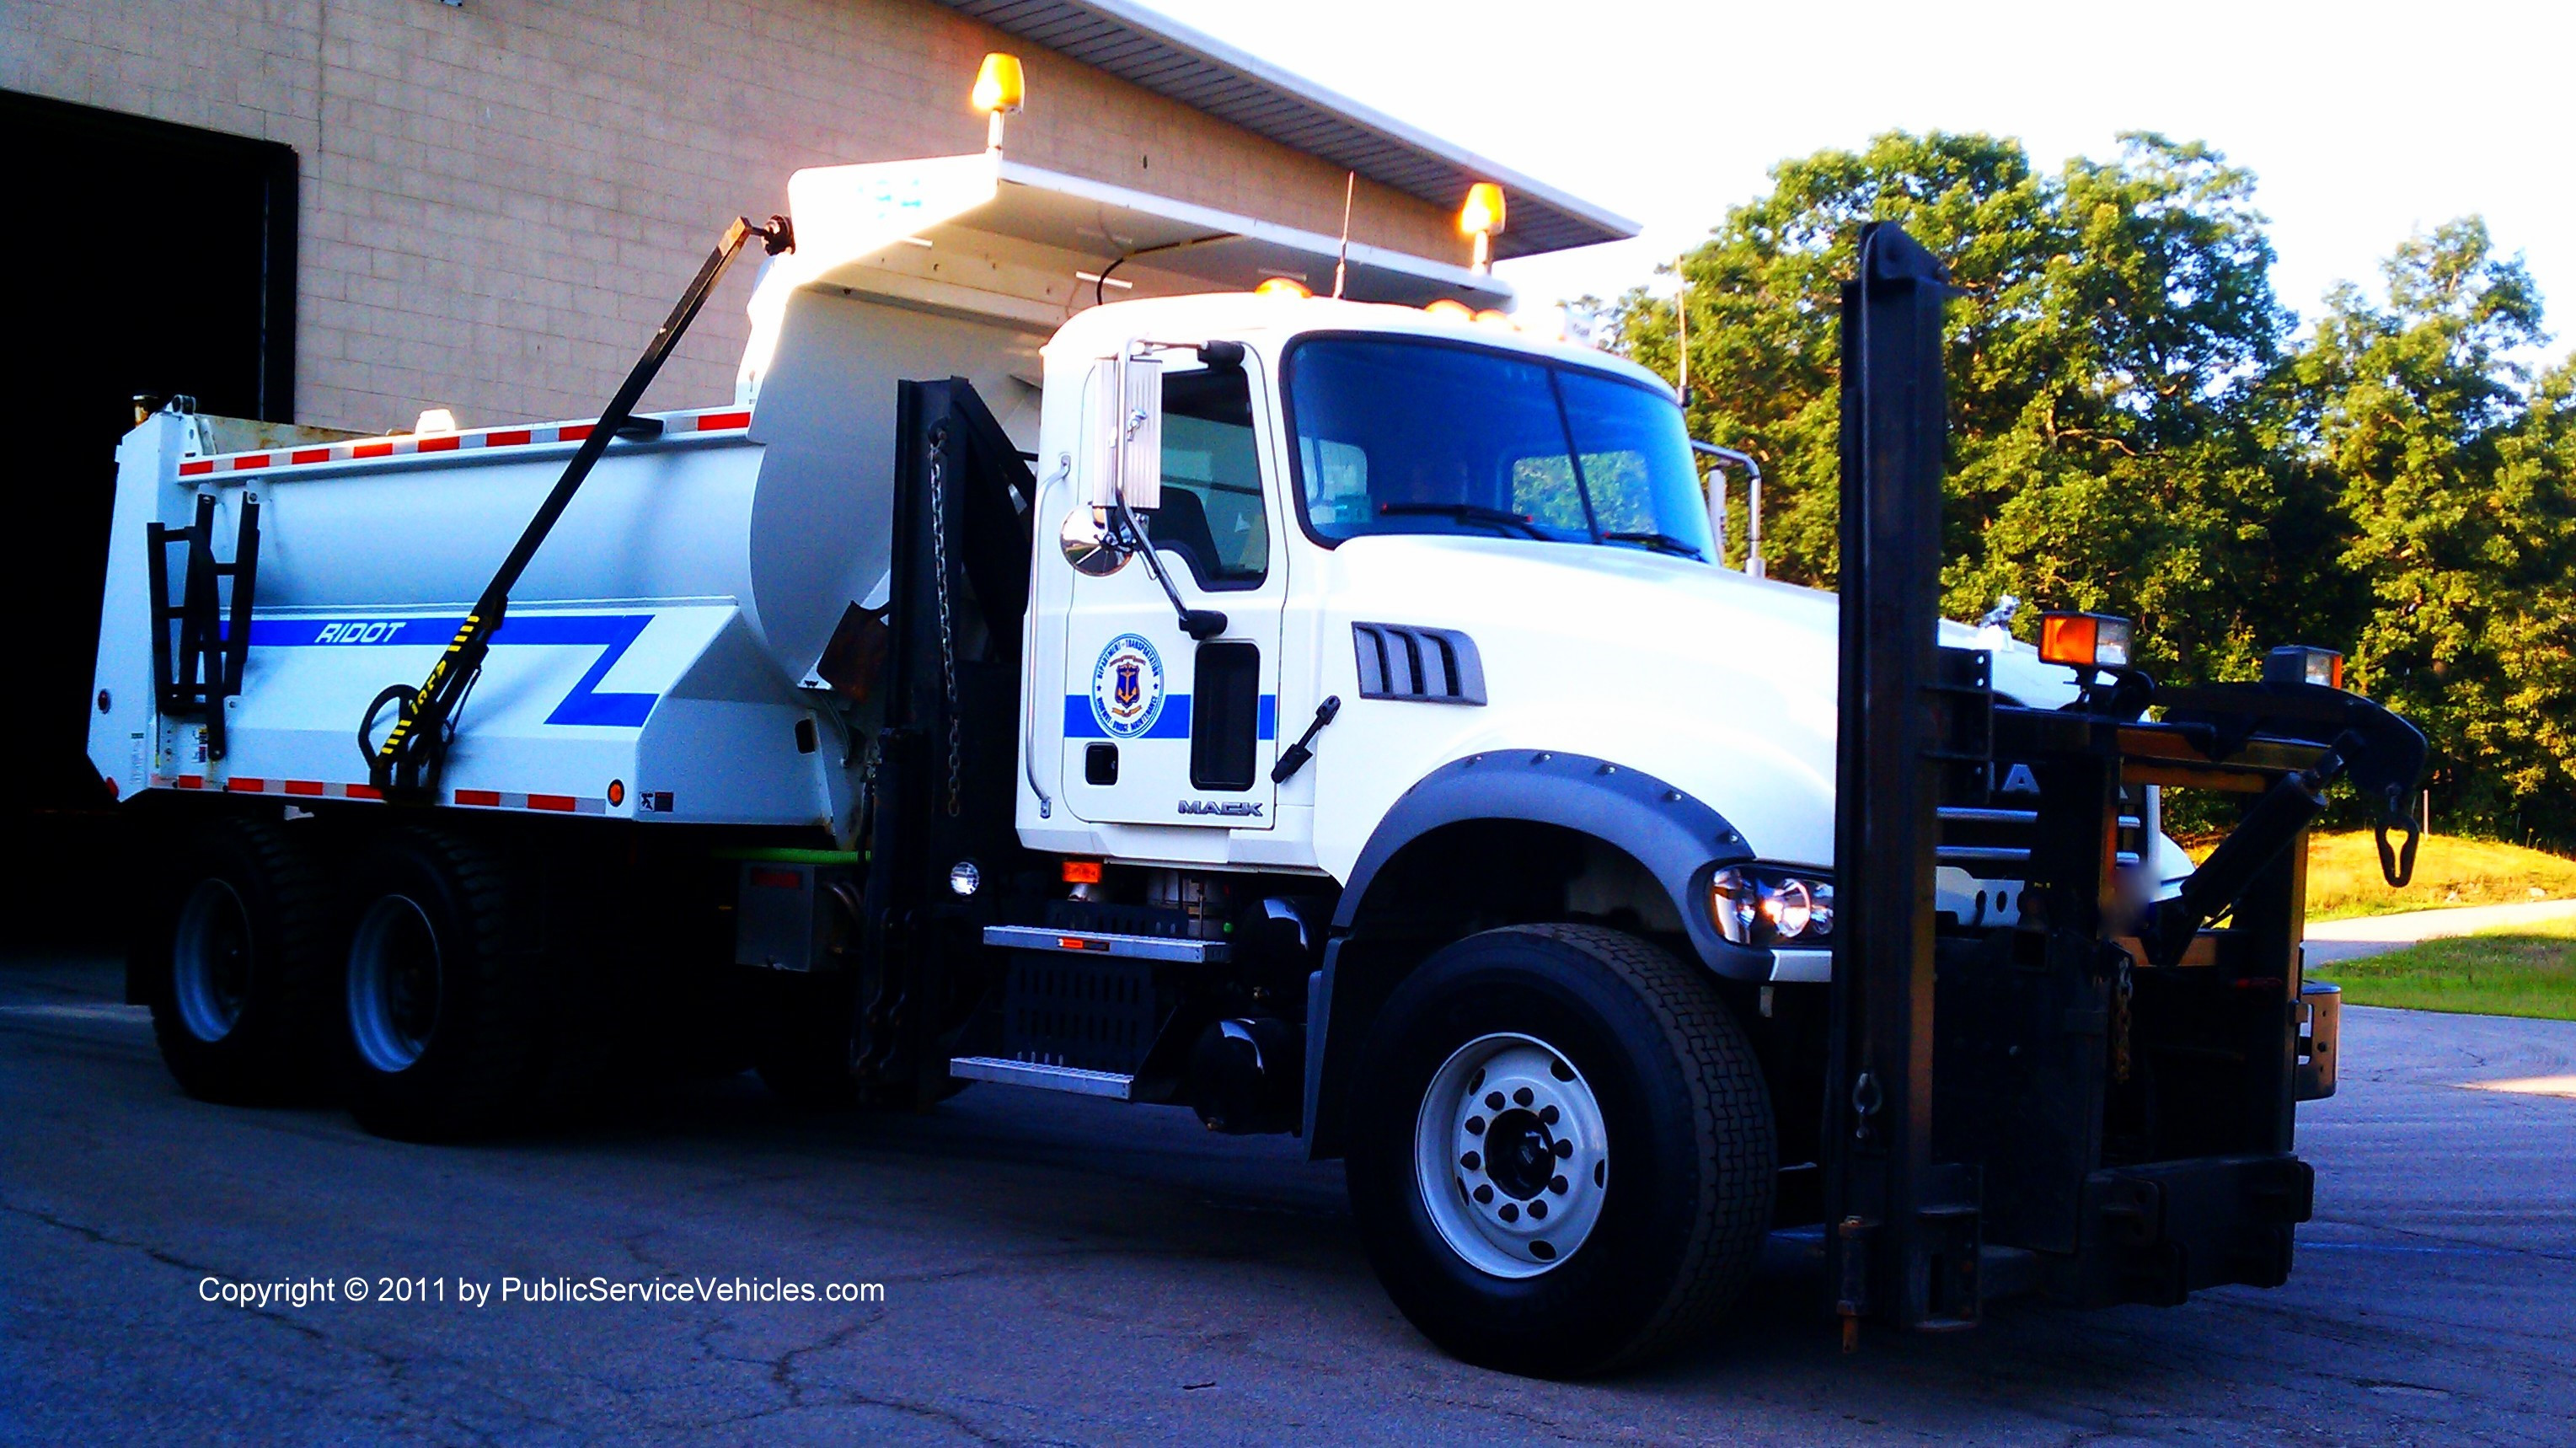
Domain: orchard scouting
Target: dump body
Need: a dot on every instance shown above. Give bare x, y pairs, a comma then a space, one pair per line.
653, 633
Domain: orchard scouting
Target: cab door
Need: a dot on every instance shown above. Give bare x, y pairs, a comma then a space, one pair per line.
1159, 728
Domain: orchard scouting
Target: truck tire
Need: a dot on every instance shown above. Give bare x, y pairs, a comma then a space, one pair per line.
1561, 1151
442, 1014
236, 964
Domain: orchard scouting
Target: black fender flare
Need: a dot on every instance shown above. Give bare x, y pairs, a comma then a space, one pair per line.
1679, 839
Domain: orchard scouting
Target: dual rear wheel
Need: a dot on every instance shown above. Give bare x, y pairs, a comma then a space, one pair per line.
237, 965
267, 985
441, 1012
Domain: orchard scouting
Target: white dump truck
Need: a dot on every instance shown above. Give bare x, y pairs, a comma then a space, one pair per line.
1076, 658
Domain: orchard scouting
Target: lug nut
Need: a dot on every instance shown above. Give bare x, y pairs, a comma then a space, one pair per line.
1538, 1211
1556, 1185
1564, 1149
1475, 1126
1484, 1193
1522, 1097
1493, 1101
1547, 1114
1471, 1161
1509, 1213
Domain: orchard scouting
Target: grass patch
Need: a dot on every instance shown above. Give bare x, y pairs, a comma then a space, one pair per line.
2528, 971
2344, 879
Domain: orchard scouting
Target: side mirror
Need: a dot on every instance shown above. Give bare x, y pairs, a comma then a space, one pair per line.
1714, 480
1127, 433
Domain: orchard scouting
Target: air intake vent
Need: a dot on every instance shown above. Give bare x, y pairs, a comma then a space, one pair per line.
1424, 665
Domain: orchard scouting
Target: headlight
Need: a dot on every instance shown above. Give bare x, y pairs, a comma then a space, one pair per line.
1766, 905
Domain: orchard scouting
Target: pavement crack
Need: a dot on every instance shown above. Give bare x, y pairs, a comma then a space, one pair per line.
2418, 1234
929, 1413
782, 1368
101, 1238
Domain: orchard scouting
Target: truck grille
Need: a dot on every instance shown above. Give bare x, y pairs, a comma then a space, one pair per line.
1993, 842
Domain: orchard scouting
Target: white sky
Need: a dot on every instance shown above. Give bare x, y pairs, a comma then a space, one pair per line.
2362, 120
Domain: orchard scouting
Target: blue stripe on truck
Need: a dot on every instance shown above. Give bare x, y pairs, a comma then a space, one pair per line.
612, 633
1173, 723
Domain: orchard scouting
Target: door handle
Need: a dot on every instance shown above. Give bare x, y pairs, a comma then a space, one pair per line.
1294, 757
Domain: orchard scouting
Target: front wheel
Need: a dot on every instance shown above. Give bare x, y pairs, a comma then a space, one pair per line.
1562, 1150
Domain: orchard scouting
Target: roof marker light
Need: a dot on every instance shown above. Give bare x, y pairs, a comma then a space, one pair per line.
1282, 287
1447, 307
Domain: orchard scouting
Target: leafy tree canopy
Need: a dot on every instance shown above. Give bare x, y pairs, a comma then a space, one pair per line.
2135, 428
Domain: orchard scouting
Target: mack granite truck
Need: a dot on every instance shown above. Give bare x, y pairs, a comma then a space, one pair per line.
1082, 658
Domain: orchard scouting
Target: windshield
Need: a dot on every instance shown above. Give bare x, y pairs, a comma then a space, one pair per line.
1403, 436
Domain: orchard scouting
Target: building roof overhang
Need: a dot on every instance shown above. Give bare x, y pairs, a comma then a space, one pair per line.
1146, 49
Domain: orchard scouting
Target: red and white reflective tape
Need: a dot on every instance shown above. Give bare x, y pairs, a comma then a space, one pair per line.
547, 803
244, 784
730, 419
321, 789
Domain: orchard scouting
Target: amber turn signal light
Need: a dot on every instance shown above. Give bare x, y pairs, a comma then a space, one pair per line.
2084, 640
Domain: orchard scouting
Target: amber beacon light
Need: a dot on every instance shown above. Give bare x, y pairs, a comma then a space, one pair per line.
1001, 87
1480, 218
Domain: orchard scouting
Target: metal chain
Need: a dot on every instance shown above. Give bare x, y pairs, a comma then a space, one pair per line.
947, 623
2121, 991
867, 829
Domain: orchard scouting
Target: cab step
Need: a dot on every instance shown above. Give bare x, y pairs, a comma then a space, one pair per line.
1109, 1085
1102, 942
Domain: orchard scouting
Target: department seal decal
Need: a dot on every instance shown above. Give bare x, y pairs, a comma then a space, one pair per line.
1127, 687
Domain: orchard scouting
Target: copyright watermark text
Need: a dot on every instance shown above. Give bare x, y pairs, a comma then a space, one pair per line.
299, 1293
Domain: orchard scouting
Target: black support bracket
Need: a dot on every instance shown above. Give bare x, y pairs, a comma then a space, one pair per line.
1904, 1229
198, 669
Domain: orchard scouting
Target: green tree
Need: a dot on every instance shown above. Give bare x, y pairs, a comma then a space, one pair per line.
2114, 443
2461, 494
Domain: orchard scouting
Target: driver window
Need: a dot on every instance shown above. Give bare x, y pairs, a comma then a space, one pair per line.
1212, 514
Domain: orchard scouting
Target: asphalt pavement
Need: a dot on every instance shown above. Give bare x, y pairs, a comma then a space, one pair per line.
1056, 1270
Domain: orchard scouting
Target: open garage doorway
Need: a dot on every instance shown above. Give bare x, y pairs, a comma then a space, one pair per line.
147, 258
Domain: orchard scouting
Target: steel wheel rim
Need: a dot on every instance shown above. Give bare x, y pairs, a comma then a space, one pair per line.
395, 976
1502, 1110
210, 960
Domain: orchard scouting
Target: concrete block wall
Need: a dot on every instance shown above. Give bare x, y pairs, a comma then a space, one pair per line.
500, 199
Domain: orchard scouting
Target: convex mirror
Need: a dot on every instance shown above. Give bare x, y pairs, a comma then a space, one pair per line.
1091, 543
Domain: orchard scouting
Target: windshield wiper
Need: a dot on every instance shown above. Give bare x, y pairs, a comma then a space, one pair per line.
1660, 542
1464, 513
